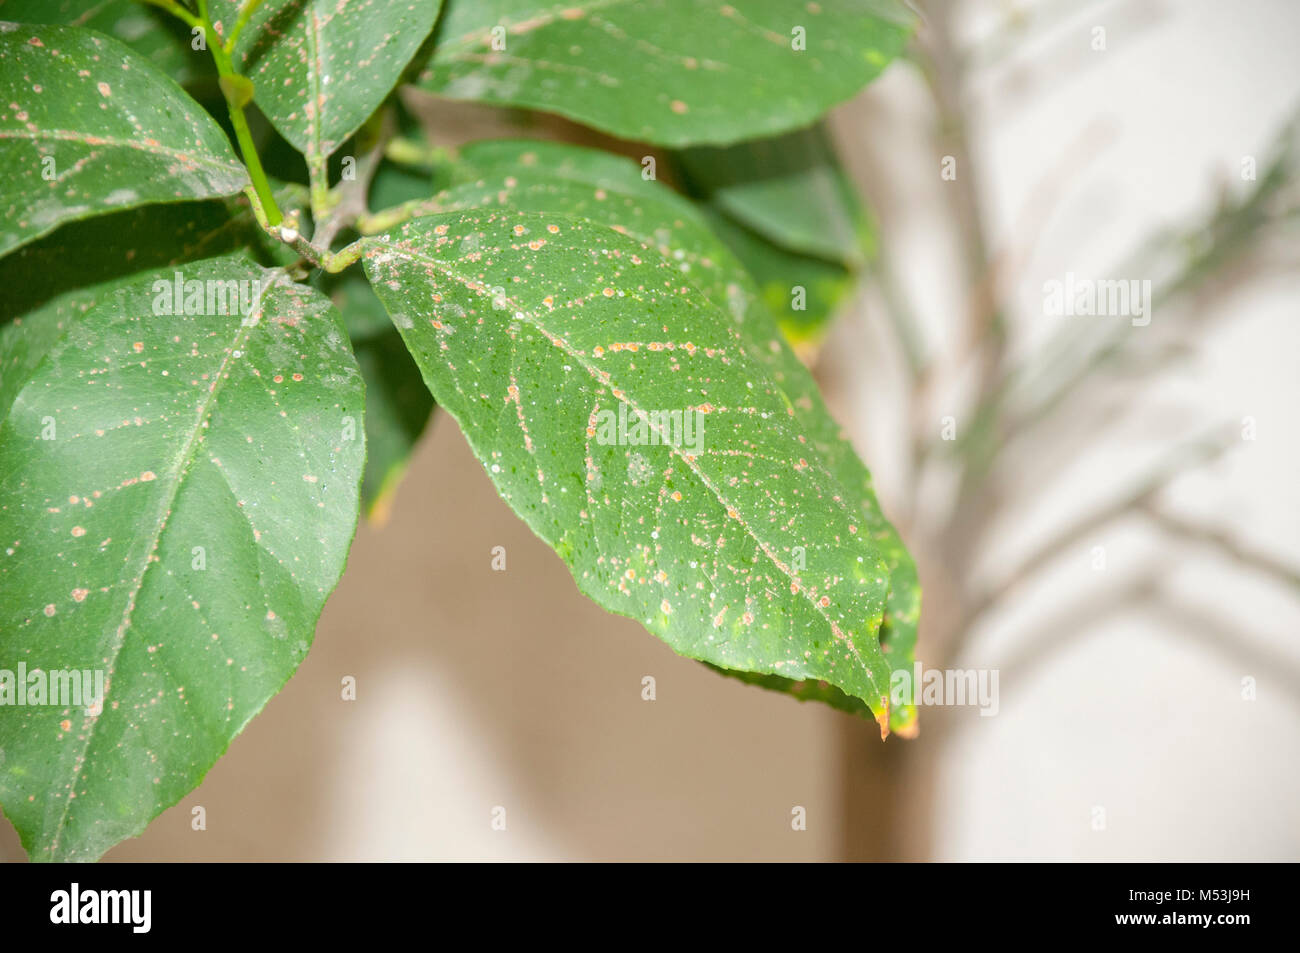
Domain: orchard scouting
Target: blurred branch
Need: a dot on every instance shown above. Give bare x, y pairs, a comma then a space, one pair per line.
1023, 23
1175, 464
1144, 592
982, 434
1074, 621
1207, 252
1224, 544
985, 329
1204, 259
1233, 643
902, 319
1067, 60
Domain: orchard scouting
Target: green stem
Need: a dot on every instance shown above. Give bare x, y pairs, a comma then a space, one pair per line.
321, 199
255, 202
176, 10
240, 122
245, 14
344, 257
386, 219
269, 213
333, 262
412, 152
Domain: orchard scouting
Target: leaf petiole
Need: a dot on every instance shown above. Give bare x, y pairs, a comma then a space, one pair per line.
245, 14
333, 262
176, 10
387, 218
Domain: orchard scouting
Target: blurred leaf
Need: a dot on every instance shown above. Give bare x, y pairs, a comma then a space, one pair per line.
791, 190
110, 247
786, 280
787, 209
398, 408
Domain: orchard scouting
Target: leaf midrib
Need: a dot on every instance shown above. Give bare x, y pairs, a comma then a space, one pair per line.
314, 70
180, 467
68, 135
547, 16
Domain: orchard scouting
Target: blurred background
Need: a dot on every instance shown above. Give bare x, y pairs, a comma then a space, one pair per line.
1113, 527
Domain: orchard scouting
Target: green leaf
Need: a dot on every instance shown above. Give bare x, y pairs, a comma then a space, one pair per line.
179, 494
108, 248
321, 67
823, 286
672, 72
551, 177
398, 408
791, 190
744, 551
787, 209
160, 38
86, 127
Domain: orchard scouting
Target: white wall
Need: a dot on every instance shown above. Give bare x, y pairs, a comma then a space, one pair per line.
1141, 715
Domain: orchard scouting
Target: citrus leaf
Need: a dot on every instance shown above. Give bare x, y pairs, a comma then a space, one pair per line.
160, 38
550, 176
673, 72
741, 549
803, 292
178, 497
110, 247
321, 67
87, 126
614, 191
790, 189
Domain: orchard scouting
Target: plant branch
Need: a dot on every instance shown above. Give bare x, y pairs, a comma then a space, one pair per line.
333, 262
1177, 462
409, 152
350, 200
1225, 544
322, 201
1072, 622
1144, 592
382, 221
